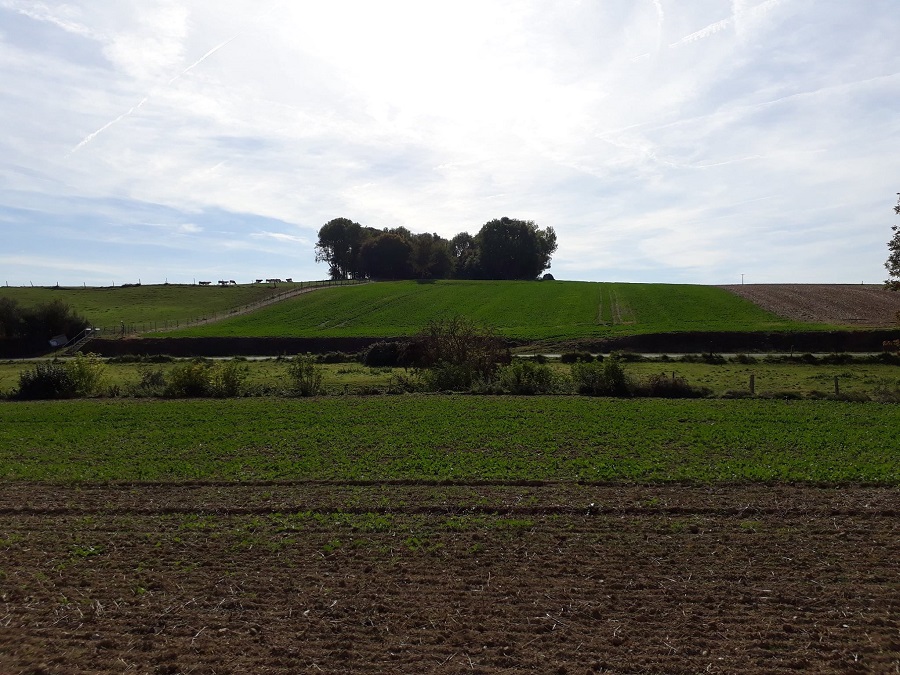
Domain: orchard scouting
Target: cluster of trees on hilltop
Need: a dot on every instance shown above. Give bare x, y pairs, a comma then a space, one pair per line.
504, 248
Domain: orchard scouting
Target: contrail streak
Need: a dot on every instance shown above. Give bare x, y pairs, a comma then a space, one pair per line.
87, 139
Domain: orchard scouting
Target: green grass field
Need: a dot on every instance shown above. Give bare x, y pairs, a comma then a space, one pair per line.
145, 305
559, 310
449, 438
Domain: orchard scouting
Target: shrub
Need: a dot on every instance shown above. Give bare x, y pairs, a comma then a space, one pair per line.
86, 371
836, 359
663, 386
380, 354
82, 376
526, 377
228, 379
601, 378
886, 391
46, 380
189, 380
744, 359
305, 376
576, 357
152, 382
457, 354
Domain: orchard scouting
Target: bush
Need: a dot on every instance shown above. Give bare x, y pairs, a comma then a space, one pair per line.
601, 378
576, 357
744, 359
382, 354
663, 386
458, 355
526, 377
228, 379
46, 380
152, 382
86, 371
305, 376
189, 380
82, 376
887, 391
836, 359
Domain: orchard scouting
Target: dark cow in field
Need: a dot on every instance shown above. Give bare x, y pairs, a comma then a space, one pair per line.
205, 283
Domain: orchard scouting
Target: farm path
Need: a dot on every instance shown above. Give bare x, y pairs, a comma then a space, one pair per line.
866, 306
245, 309
460, 578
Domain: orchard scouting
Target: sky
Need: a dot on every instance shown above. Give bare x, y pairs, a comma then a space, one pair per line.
700, 142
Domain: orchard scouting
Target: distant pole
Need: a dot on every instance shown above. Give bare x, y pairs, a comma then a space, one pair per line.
742, 280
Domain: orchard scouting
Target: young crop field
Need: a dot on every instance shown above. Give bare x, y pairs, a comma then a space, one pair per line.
429, 437
556, 310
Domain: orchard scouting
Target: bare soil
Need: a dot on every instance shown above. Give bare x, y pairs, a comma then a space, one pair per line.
836, 304
455, 578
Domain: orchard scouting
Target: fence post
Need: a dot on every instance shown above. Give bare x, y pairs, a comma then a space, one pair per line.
752, 384
837, 389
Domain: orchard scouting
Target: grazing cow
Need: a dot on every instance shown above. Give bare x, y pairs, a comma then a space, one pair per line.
222, 282
232, 282
205, 283
290, 281
258, 281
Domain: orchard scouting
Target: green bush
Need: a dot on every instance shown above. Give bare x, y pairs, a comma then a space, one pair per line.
527, 377
576, 357
82, 376
86, 371
189, 380
305, 376
663, 386
152, 382
601, 378
228, 379
46, 380
382, 354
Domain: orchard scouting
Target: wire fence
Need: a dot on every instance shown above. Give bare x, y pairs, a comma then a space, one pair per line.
161, 325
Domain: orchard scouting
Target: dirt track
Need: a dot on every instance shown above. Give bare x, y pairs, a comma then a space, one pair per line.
411, 578
836, 304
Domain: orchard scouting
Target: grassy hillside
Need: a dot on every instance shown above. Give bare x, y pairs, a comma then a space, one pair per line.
110, 306
556, 310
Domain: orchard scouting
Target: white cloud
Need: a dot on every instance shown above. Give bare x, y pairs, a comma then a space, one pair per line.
442, 116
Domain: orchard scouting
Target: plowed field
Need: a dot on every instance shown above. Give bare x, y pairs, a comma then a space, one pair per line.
415, 577
837, 304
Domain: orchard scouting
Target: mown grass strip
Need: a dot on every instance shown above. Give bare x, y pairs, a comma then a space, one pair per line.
450, 438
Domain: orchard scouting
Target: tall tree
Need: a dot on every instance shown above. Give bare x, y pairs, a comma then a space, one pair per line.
514, 249
893, 262
339, 244
386, 256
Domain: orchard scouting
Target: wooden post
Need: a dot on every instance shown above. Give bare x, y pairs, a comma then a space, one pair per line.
837, 388
752, 384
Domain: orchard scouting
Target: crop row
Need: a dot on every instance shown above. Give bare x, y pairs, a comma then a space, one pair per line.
450, 438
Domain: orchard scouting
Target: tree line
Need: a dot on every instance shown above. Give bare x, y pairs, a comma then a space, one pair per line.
37, 324
504, 248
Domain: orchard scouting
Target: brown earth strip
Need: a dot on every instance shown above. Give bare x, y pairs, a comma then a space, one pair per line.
836, 304
656, 579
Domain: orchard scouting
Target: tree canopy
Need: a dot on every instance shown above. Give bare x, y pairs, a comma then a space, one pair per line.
893, 262
504, 248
